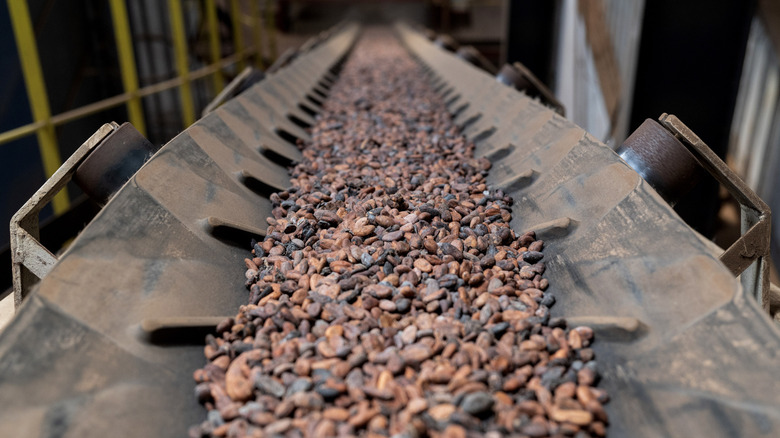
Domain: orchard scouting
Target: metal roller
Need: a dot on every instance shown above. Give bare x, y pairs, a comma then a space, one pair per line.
662, 160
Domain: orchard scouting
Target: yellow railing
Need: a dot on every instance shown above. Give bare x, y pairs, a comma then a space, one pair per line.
124, 45
44, 122
36, 93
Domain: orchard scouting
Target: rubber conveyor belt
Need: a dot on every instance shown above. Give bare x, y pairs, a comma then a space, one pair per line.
84, 356
683, 351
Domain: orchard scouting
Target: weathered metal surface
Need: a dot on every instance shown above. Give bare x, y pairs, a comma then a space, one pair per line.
662, 160
749, 255
30, 260
691, 353
103, 345
115, 159
672, 168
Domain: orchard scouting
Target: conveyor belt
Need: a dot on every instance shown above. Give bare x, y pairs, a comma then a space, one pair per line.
88, 353
690, 354
389, 296
683, 352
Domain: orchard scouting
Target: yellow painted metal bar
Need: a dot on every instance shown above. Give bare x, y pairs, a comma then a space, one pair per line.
124, 46
182, 67
214, 43
270, 22
20, 132
101, 105
36, 94
257, 31
238, 34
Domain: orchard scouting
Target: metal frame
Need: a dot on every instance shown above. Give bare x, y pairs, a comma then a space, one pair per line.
30, 260
748, 257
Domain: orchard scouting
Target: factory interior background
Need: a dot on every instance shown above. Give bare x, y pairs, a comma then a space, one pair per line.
69, 67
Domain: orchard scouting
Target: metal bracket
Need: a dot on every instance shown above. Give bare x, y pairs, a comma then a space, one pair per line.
30, 260
749, 255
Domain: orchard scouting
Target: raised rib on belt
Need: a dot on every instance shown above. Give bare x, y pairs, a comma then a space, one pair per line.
390, 297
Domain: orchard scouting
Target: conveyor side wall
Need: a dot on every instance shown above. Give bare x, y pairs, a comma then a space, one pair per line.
683, 351
76, 360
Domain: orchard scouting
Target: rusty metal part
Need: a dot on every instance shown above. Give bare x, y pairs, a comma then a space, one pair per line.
622, 251
446, 42
749, 255
518, 76
662, 160
472, 55
670, 157
30, 260
115, 159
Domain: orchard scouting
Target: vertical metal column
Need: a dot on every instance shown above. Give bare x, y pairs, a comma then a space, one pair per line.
270, 23
238, 36
257, 32
124, 46
214, 44
182, 67
36, 94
